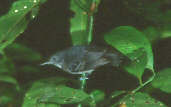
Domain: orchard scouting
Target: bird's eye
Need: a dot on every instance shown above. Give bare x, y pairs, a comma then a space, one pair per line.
54, 59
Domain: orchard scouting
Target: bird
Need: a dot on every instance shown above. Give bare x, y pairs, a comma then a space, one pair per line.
84, 59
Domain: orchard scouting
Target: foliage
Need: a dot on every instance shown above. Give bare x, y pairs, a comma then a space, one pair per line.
140, 100
162, 80
136, 47
43, 88
51, 91
16, 20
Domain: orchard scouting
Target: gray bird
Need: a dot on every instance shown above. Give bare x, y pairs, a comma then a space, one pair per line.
84, 59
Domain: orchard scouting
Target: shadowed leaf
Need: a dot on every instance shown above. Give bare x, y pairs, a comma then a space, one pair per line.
163, 80
19, 52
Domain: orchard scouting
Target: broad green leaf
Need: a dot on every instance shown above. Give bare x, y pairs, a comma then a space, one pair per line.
139, 100
78, 24
19, 52
82, 21
128, 39
162, 80
15, 21
79, 37
138, 65
49, 92
6, 65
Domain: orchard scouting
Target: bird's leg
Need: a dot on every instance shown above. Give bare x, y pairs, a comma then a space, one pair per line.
83, 84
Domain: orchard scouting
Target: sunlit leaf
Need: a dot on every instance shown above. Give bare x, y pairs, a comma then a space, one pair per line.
139, 100
78, 24
79, 37
127, 39
15, 21
19, 52
163, 80
49, 92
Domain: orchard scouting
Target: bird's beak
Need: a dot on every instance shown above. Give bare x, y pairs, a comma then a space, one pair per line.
46, 63
51, 63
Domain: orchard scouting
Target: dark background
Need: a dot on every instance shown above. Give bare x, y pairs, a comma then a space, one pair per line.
49, 33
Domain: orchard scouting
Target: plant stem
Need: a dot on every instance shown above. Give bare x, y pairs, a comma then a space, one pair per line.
83, 79
89, 39
143, 84
90, 29
90, 25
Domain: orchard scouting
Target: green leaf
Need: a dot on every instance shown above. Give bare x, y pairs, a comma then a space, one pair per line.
138, 65
165, 30
128, 39
94, 98
6, 65
79, 37
78, 24
152, 34
9, 79
82, 22
50, 93
162, 80
5, 100
35, 11
139, 100
19, 52
97, 95
48, 105
16, 20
